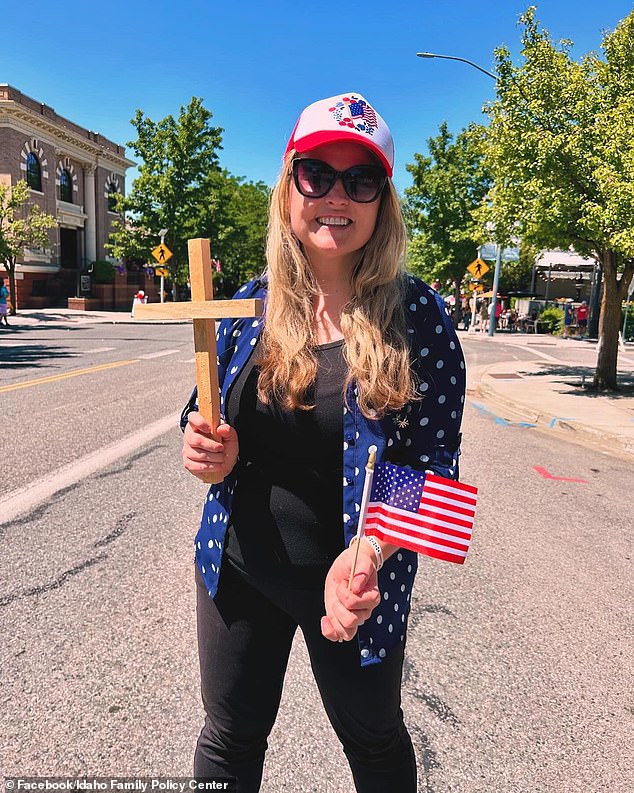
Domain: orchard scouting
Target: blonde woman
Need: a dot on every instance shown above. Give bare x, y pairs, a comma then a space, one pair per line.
351, 353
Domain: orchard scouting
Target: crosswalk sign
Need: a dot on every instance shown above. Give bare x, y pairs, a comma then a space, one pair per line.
162, 253
478, 268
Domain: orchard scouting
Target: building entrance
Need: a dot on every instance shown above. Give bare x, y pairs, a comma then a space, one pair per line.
69, 261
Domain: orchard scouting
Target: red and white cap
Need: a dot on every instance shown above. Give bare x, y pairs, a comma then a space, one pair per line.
344, 117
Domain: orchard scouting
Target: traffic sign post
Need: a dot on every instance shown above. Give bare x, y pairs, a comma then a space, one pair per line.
496, 282
162, 253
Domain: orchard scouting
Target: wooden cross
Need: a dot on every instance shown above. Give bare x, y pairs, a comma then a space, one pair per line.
203, 310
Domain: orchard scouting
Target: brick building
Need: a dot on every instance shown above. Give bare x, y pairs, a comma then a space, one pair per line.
72, 173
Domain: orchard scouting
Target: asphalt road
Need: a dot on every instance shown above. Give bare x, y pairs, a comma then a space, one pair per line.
518, 676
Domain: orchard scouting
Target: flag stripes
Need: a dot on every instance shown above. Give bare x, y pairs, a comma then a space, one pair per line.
426, 513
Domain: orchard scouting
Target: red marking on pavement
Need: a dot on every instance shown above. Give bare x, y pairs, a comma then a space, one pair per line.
547, 475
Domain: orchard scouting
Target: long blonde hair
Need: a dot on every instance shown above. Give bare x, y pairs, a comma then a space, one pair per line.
373, 321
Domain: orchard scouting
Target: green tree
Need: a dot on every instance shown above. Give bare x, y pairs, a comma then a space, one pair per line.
448, 186
234, 217
516, 276
22, 225
177, 156
562, 156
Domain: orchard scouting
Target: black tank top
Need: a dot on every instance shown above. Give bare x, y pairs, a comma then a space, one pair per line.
286, 519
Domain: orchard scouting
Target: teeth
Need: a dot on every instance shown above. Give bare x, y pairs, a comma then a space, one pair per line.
334, 221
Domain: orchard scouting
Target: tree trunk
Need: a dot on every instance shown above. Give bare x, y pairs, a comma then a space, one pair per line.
614, 290
457, 306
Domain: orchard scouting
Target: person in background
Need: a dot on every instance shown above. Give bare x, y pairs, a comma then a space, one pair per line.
484, 317
4, 307
569, 319
351, 354
582, 319
498, 313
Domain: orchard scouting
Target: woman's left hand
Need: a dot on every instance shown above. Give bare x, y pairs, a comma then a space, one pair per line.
346, 609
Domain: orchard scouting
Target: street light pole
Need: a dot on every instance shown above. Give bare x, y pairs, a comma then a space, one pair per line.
456, 58
498, 250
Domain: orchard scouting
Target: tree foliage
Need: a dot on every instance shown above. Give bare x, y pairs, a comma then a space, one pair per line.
23, 224
181, 187
562, 156
234, 217
448, 186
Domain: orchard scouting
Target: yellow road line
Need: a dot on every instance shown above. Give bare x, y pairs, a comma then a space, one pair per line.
73, 373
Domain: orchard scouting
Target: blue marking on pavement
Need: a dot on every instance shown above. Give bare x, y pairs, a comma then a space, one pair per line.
498, 419
559, 418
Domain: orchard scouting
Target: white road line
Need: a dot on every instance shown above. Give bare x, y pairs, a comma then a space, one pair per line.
25, 498
538, 353
98, 349
159, 354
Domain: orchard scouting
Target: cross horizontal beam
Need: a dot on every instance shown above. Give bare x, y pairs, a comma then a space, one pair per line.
199, 309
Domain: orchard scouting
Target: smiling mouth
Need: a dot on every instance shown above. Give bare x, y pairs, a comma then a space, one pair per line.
328, 221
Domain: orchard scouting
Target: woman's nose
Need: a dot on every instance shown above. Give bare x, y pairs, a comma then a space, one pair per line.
337, 192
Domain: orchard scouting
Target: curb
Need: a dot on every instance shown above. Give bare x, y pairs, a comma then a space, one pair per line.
579, 433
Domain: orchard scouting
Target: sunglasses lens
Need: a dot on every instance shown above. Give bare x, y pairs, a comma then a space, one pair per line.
362, 183
313, 177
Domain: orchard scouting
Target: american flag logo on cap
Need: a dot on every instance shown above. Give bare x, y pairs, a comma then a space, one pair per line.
356, 113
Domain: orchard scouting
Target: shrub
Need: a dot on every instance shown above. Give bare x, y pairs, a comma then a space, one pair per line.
103, 272
552, 319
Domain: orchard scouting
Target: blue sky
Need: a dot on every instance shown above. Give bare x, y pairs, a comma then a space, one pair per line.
256, 64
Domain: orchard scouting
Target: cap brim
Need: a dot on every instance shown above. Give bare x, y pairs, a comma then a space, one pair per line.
315, 139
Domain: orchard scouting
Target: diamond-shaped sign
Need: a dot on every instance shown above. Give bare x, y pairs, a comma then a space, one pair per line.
478, 268
162, 253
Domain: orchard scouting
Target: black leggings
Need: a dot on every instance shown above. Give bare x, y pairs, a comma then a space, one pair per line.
244, 640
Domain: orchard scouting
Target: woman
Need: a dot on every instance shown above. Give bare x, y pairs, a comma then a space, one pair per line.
351, 353
4, 295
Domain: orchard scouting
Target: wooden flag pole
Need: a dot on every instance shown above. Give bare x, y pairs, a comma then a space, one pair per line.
367, 486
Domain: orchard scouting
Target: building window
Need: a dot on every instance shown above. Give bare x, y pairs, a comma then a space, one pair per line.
33, 172
65, 187
112, 197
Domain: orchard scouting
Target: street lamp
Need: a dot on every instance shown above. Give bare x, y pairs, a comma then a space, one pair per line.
498, 252
456, 58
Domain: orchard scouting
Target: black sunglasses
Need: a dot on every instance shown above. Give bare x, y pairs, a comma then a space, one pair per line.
315, 178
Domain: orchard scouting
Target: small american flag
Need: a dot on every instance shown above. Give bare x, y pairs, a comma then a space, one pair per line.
426, 513
370, 116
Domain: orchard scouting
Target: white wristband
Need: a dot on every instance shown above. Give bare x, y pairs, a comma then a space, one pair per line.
377, 550
375, 547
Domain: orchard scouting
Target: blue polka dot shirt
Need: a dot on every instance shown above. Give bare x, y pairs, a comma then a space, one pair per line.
424, 435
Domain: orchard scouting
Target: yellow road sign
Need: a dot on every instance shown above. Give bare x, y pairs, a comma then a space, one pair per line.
161, 271
478, 268
162, 253
477, 287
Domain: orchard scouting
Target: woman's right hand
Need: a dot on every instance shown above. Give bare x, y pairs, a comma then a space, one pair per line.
202, 454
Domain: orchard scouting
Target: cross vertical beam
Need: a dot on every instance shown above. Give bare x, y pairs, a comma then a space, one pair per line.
204, 338
203, 310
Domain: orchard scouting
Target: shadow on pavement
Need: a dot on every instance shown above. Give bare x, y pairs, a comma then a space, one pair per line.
31, 355
579, 378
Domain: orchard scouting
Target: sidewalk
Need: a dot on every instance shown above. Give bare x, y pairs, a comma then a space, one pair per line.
550, 394
543, 392
67, 316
